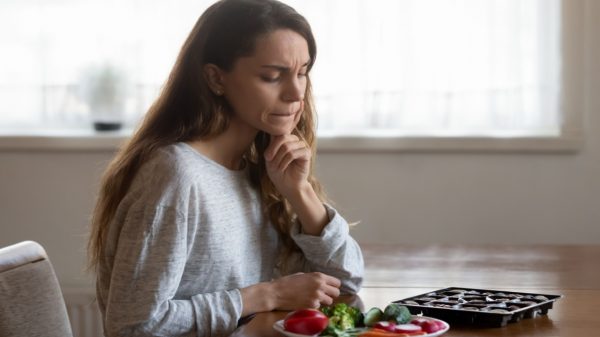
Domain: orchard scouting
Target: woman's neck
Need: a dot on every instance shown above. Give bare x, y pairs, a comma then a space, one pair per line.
227, 148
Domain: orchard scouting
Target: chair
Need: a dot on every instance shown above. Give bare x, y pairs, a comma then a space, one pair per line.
31, 301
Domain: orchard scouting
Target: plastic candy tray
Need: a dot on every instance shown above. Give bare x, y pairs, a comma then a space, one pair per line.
485, 307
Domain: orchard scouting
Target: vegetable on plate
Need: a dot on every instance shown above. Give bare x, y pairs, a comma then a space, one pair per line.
342, 317
373, 316
428, 325
397, 313
305, 322
342, 320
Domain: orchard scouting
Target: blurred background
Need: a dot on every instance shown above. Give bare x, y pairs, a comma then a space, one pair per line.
440, 121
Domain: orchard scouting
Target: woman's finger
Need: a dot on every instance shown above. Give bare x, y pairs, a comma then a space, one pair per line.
298, 154
332, 292
332, 281
276, 142
325, 299
284, 152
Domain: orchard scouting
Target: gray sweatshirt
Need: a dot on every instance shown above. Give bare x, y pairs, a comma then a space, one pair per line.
187, 236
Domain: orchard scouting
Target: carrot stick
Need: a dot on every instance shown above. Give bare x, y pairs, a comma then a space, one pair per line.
381, 333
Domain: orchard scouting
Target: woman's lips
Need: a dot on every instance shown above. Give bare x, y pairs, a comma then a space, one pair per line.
288, 114
283, 114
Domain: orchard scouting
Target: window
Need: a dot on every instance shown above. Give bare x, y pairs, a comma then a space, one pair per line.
385, 68
441, 67
55, 50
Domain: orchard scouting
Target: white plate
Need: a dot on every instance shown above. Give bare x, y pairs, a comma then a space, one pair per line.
279, 327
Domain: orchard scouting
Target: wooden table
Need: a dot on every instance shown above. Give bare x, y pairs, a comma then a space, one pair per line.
395, 272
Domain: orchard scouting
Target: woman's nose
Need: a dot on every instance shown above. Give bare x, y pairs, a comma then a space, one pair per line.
294, 90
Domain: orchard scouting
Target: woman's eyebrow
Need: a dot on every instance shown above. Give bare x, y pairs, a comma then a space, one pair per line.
282, 68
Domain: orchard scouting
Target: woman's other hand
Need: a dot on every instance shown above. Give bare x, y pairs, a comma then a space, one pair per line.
292, 292
310, 290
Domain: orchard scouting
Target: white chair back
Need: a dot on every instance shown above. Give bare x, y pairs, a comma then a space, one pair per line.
31, 302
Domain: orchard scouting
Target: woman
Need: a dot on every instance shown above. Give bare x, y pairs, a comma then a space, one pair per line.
211, 212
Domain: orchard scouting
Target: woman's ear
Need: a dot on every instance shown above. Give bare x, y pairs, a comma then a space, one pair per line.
214, 76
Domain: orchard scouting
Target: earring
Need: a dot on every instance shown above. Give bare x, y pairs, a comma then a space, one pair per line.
219, 92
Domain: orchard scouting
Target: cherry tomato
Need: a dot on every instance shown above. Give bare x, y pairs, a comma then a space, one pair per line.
305, 322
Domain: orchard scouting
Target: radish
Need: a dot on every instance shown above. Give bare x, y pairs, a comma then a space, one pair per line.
408, 328
386, 326
419, 321
429, 325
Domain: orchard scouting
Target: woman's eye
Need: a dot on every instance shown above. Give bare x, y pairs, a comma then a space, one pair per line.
270, 79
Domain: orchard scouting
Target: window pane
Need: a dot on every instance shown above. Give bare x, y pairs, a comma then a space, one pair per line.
53, 50
386, 67
441, 67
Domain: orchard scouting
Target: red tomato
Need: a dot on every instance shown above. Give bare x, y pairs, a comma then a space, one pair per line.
305, 321
407, 328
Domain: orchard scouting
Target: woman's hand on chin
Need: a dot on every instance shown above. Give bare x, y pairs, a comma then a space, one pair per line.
288, 163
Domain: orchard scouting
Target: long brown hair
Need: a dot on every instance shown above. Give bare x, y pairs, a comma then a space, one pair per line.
187, 110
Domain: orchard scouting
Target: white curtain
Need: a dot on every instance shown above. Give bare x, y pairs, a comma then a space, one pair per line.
384, 67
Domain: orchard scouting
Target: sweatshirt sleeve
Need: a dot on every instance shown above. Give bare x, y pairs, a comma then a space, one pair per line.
334, 252
149, 262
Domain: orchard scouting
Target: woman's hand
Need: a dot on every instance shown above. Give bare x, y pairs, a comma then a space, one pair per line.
288, 163
288, 166
292, 292
310, 290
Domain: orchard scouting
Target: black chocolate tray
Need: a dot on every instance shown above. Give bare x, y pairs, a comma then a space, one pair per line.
484, 307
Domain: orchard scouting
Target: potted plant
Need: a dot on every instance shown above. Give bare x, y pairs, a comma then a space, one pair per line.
103, 88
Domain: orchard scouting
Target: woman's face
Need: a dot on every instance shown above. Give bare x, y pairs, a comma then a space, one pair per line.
266, 90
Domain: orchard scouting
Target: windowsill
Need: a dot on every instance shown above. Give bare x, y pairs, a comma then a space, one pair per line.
63, 140
450, 144
110, 141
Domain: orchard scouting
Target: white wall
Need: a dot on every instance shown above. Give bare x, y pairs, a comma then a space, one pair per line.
398, 197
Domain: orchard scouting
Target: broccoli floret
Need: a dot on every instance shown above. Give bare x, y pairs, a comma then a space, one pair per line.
356, 314
346, 322
341, 318
340, 308
328, 311
398, 313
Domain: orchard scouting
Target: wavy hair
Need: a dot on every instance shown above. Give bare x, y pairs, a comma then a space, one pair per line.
188, 110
